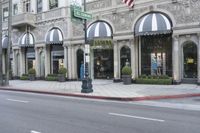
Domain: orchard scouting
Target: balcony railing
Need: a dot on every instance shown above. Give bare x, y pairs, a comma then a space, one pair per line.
24, 19
52, 14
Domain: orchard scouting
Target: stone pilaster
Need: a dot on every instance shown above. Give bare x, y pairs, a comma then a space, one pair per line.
3, 62
133, 59
37, 64
47, 60
198, 60
116, 61
176, 60
22, 61
69, 65
65, 58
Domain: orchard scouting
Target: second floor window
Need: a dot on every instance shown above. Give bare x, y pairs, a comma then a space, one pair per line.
27, 6
5, 14
15, 9
53, 4
39, 5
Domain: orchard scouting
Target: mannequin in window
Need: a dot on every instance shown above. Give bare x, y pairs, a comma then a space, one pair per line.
81, 70
159, 65
127, 63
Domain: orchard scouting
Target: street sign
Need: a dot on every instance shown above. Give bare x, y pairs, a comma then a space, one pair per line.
79, 14
73, 18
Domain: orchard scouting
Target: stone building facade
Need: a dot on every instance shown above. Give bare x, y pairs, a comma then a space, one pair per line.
156, 37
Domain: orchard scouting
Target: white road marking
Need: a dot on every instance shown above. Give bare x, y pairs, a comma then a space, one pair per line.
15, 100
32, 131
137, 117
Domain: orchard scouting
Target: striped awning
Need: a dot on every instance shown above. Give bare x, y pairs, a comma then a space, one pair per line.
99, 29
5, 42
54, 36
27, 40
153, 24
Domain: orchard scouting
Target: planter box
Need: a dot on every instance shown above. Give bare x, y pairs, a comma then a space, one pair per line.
61, 77
127, 79
31, 77
154, 81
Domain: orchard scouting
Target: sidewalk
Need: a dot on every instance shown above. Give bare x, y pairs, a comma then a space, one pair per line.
106, 89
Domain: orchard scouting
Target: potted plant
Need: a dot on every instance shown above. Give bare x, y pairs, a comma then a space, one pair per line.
31, 74
126, 75
61, 74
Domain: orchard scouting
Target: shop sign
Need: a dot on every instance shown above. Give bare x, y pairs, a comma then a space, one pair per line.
102, 44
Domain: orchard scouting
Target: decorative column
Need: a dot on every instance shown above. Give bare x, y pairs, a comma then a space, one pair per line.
69, 58
198, 61
22, 61
15, 63
73, 69
133, 59
3, 62
176, 60
37, 64
116, 62
47, 60
65, 58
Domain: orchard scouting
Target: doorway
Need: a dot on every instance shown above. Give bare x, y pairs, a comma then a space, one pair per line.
190, 61
103, 63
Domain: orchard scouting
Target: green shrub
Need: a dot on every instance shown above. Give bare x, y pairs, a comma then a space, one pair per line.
50, 78
143, 76
154, 81
25, 75
24, 78
31, 71
52, 75
126, 70
62, 70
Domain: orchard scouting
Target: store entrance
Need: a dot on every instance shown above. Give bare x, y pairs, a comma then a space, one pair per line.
190, 60
103, 63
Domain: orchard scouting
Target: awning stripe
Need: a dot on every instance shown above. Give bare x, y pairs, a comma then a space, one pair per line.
153, 23
54, 36
99, 29
27, 40
5, 42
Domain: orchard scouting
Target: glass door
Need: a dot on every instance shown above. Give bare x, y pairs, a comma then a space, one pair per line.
190, 60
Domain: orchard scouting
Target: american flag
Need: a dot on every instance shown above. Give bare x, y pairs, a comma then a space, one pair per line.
129, 3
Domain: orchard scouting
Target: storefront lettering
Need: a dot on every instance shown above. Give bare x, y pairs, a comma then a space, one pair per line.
102, 44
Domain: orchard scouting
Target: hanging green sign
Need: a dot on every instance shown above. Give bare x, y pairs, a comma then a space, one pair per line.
101, 44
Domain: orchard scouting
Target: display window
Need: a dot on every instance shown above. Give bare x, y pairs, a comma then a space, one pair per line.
156, 55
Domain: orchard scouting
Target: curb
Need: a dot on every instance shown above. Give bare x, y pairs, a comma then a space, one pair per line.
142, 98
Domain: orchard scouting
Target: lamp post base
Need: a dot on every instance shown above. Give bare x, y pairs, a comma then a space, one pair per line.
86, 85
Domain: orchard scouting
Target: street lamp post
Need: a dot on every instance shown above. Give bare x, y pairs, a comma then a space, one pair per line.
9, 43
87, 81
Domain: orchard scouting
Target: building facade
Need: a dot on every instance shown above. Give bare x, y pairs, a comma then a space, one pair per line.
156, 37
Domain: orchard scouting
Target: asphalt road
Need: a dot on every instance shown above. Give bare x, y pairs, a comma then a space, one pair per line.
34, 113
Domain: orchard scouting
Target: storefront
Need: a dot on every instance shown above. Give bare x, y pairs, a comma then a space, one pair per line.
28, 52
155, 44
99, 35
55, 50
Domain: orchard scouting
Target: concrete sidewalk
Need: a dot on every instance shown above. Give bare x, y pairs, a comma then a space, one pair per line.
106, 89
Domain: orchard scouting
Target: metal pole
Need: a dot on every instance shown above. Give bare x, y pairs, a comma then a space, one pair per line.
86, 82
1, 73
9, 43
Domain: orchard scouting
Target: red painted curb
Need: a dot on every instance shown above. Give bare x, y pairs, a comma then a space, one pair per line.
158, 97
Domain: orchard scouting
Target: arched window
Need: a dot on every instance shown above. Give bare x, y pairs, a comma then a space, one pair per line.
125, 56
